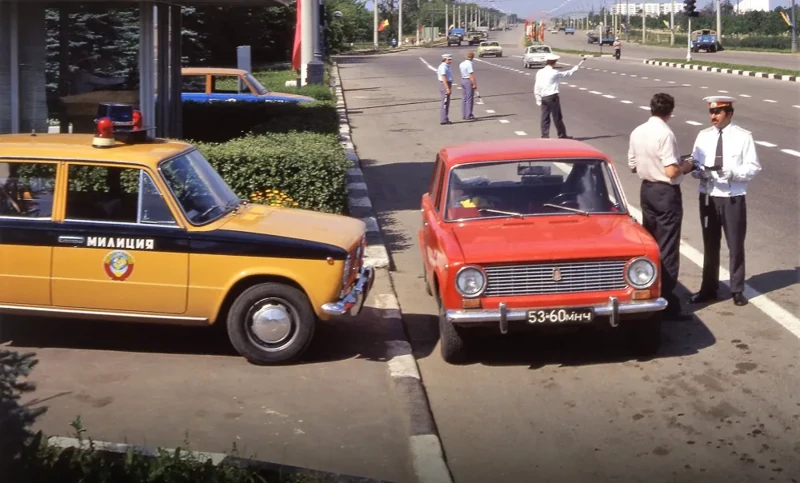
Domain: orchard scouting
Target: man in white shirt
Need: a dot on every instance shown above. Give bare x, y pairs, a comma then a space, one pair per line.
445, 78
468, 85
725, 162
545, 90
653, 155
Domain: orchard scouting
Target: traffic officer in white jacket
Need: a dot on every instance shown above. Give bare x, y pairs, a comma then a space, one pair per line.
725, 161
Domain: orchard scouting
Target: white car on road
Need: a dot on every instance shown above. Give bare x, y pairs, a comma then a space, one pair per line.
535, 54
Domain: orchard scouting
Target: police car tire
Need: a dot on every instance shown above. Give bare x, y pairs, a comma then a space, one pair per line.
304, 328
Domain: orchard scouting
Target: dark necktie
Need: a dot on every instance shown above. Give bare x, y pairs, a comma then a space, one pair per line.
718, 156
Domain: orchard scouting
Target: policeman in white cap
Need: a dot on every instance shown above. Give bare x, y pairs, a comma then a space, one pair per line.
545, 90
725, 161
445, 78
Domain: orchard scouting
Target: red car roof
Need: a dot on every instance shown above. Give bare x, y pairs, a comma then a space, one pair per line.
518, 149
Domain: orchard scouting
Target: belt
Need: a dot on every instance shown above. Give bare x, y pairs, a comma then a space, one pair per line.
648, 182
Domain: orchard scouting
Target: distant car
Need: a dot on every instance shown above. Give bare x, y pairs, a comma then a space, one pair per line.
535, 55
535, 233
490, 48
208, 84
569, 31
453, 39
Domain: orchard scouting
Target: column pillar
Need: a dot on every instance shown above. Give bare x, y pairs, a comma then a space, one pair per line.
307, 37
176, 105
162, 72
147, 102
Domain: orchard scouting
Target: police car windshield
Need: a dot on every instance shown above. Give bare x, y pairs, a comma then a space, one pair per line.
532, 188
201, 192
260, 89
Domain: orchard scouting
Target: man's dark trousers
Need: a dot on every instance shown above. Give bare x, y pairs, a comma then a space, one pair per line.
552, 105
728, 214
662, 216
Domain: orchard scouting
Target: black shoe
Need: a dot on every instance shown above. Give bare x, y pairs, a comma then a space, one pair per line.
565, 137
739, 299
446, 122
701, 297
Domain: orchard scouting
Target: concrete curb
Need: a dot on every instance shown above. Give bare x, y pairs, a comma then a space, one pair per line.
358, 201
748, 73
427, 454
216, 459
425, 447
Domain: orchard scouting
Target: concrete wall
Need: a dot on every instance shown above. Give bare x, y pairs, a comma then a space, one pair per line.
32, 55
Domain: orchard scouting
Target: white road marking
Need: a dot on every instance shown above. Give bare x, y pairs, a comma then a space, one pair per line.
646, 108
458, 87
609, 96
527, 73
659, 80
671, 82
792, 152
594, 92
645, 77
764, 143
564, 83
504, 121
769, 100
797, 106
622, 73
694, 123
626, 102
429, 66
518, 56
490, 111
427, 458
573, 85
744, 95
401, 362
605, 70
582, 88
774, 311
687, 85
634, 75
520, 133
724, 92
614, 72
703, 87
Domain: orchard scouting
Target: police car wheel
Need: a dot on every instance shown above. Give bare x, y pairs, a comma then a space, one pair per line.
271, 323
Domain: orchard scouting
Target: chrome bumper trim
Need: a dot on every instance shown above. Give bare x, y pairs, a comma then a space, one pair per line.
353, 301
612, 309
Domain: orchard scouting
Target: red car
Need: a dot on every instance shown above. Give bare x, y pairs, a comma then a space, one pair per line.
535, 233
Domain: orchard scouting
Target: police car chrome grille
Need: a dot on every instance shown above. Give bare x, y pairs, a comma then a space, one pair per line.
555, 278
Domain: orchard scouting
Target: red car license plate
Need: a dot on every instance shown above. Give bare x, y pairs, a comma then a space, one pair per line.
561, 316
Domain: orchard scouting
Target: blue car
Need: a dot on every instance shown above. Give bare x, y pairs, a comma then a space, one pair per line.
209, 84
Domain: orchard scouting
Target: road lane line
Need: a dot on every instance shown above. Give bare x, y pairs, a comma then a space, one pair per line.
614, 72
622, 73
594, 92
797, 106
520, 133
626, 102
645, 77
609, 96
659, 80
792, 152
504, 121
764, 143
671, 82
646, 108
724, 92
573, 85
762, 302
694, 123
769, 100
703, 87
429, 66
490, 111
582, 88
687, 85
745, 95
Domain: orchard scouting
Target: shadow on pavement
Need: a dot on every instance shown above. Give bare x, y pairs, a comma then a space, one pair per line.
538, 348
775, 280
334, 340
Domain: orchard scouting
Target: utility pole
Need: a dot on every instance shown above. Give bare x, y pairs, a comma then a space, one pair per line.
794, 29
719, 22
400, 24
375, 25
672, 23
417, 23
644, 16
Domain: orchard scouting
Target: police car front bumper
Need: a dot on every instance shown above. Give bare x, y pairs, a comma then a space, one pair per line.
353, 301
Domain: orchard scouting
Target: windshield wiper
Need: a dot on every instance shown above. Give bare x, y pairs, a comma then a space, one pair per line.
509, 213
582, 212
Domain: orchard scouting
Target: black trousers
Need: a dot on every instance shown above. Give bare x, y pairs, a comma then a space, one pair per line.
662, 217
552, 105
728, 215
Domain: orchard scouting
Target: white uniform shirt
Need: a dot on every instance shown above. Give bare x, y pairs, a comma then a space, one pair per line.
653, 146
547, 80
739, 160
444, 70
466, 69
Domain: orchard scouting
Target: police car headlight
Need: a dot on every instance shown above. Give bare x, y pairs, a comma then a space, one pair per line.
641, 273
470, 281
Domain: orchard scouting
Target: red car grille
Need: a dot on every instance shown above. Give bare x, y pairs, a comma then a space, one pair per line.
554, 278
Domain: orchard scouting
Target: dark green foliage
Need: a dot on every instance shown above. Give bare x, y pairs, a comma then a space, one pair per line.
309, 167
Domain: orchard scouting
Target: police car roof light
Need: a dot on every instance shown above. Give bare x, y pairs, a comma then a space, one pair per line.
103, 133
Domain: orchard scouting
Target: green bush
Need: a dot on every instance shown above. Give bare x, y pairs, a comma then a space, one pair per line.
308, 168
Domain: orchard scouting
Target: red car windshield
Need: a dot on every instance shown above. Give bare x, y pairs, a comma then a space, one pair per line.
518, 189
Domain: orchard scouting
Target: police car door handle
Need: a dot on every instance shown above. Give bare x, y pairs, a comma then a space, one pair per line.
71, 240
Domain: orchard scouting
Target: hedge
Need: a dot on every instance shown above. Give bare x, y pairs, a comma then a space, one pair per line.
300, 169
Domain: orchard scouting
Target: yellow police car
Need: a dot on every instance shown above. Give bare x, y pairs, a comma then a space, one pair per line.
119, 227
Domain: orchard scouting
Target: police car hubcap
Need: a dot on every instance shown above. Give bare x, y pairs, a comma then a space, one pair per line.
272, 323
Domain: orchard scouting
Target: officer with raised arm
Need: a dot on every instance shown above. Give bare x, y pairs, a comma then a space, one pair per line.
546, 89
725, 161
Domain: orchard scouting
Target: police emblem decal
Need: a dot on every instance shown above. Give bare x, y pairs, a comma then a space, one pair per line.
118, 265
557, 274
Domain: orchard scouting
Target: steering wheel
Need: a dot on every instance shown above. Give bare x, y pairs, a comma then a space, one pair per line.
563, 199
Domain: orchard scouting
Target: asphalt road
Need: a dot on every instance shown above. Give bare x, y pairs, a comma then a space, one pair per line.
719, 402
634, 51
159, 386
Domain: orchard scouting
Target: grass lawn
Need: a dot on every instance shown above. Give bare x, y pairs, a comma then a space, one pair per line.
722, 65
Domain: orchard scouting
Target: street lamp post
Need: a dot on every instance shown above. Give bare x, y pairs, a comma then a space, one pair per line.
375, 25
794, 29
400, 25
